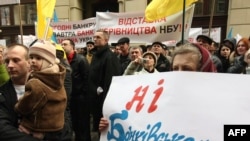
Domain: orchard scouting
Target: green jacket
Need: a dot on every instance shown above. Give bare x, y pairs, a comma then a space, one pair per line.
4, 76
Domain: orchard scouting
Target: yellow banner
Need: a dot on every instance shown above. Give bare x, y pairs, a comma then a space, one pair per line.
45, 10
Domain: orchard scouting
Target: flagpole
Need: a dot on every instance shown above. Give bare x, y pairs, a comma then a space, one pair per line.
211, 17
20, 20
183, 21
47, 28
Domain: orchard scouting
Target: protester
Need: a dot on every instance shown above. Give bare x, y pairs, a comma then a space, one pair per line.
206, 42
4, 77
104, 66
187, 57
163, 64
80, 102
192, 57
124, 58
89, 54
61, 55
148, 62
238, 65
167, 53
224, 51
134, 53
43, 104
16, 60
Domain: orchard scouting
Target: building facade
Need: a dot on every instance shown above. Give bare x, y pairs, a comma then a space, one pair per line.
20, 19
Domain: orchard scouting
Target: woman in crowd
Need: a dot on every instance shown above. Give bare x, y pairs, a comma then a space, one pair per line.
148, 61
192, 57
238, 64
225, 49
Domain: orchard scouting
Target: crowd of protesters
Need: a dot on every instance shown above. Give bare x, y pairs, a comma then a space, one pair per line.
87, 76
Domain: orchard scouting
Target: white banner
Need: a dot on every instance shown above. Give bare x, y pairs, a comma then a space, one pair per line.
79, 31
215, 33
193, 33
27, 39
138, 30
7, 2
133, 25
183, 106
3, 42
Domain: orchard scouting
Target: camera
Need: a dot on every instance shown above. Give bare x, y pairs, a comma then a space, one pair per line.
144, 60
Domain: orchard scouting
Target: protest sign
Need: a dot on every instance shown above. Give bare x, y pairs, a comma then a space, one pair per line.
3, 42
193, 33
183, 106
78, 31
27, 39
134, 26
215, 33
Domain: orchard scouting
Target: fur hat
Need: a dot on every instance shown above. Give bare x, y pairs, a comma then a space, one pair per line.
46, 50
152, 54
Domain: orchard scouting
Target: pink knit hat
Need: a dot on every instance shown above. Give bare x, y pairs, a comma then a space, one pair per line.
45, 50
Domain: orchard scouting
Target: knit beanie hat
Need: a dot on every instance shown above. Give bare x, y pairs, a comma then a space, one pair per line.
152, 54
45, 50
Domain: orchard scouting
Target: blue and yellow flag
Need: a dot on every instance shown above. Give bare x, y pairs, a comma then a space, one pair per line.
45, 10
158, 9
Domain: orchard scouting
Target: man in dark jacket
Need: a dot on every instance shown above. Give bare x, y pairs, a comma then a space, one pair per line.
163, 64
124, 58
104, 66
16, 60
79, 104
206, 42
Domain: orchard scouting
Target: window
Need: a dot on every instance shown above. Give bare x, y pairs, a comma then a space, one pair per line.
28, 14
220, 7
198, 10
5, 15
204, 7
10, 15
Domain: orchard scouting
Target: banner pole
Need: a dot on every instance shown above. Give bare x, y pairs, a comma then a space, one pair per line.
183, 21
20, 20
211, 18
46, 28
